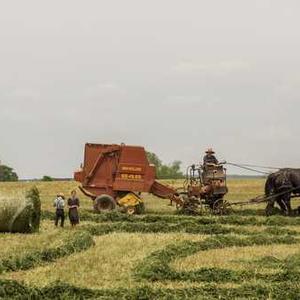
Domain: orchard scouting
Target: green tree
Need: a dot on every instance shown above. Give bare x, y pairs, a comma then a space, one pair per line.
163, 171
47, 178
7, 174
153, 159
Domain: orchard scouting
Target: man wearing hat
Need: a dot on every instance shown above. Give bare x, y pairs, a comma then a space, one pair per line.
209, 158
59, 204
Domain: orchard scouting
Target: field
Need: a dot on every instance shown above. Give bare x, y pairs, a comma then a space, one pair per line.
159, 255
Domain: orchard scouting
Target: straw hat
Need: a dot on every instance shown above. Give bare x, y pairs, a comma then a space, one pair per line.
210, 150
61, 195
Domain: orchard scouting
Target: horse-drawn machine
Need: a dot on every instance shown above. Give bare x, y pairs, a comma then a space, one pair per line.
204, 189
116, 175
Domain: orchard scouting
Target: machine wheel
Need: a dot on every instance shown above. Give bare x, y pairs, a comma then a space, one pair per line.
104, 203
221, 207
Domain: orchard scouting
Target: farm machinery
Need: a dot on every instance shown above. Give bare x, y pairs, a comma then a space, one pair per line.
204, 188
116, 175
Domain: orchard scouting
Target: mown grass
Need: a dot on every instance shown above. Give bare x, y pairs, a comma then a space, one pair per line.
156, 267
15, 290
233, 257
108, 264
25, 260
159, 255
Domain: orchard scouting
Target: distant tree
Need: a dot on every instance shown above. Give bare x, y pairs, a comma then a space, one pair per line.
47, 178
171, 171
153, 159
7, 174
175, 169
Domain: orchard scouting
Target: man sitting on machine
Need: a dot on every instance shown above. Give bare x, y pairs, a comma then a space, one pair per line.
210, 158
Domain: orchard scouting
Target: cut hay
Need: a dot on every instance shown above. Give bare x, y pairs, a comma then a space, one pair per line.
21, 214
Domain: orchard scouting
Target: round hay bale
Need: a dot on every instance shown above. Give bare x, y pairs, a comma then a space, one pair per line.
21, 214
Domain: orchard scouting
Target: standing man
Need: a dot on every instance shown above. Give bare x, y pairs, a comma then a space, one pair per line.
59, 204
210, 158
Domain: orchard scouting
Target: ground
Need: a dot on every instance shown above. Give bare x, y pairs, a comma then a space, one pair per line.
159, 255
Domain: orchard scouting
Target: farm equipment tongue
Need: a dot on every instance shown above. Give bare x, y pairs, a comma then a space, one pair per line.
116, 175
162, 191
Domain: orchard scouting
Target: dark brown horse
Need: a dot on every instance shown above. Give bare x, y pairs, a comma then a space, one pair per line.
282, 185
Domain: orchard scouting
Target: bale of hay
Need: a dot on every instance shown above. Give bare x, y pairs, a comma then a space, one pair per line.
21, 214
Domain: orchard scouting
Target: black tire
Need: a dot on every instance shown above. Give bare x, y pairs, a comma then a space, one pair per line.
104, 203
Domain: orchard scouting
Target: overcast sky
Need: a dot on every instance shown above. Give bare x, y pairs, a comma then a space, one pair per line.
174, 76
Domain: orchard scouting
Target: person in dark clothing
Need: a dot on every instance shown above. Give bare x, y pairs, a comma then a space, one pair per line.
73, 204
209, 158
59, 204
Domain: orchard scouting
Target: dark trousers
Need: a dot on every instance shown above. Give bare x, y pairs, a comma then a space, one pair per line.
60, 214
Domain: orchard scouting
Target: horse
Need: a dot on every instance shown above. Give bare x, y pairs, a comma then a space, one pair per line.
282, 184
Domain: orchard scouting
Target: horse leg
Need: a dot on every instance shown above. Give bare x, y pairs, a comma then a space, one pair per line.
289, 207
270, 206
282, 205
287, 200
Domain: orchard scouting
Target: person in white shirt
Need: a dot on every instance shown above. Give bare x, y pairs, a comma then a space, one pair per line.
59, 204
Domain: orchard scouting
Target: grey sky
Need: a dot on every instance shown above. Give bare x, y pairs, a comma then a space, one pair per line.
174, 76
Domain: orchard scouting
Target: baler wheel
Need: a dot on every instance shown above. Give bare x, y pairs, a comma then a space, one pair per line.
104, 203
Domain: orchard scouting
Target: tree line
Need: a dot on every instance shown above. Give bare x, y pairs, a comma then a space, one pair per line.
7, 173
170, 171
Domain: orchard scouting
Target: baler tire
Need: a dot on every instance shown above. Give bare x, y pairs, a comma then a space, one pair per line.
104, 203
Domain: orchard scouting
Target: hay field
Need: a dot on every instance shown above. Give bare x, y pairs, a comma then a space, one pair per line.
159, 255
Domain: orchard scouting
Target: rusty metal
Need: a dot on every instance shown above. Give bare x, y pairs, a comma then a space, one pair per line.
116, 170
207, 184
162, 191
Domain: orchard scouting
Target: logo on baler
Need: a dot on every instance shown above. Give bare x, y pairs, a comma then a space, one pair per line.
132, 169
131, 176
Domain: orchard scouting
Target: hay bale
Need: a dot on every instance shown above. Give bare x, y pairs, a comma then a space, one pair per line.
21, 214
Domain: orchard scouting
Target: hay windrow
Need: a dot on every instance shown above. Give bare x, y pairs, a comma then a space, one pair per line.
185, 227
10, 289
79, 241
178, 219
156, 267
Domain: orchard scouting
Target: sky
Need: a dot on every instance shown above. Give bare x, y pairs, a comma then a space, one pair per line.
173, 76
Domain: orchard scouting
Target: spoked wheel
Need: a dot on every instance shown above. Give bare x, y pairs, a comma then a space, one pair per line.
221, 207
